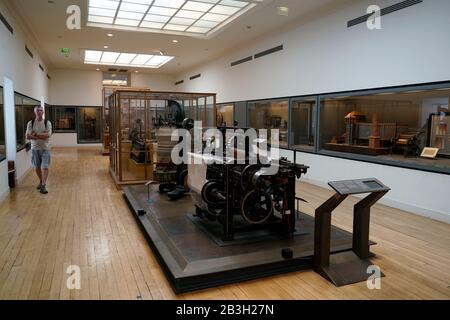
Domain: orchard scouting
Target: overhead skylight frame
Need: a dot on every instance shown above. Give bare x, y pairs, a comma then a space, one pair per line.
196, 18
122, 59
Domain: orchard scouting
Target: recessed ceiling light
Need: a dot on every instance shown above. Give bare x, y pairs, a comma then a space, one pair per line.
136, 71
98, 69
283, 11
110, 35
186, 17
175, 41
126, 59
105, 47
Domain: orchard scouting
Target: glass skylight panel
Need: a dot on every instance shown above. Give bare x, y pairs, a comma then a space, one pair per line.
162, 11
125, 59
102, 12
197, 6
152, 25
175, 27
189, 14
156, 18
200, 18
92, 56
109, 57
182, 21
224, 10
215, 17
130, 15
169, 3
127, 22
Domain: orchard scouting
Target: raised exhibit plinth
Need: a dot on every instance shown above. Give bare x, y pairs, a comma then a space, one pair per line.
193, 258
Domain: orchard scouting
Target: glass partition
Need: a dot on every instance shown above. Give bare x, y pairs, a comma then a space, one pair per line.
225, 115
64, 119
270, 115
24, 109
392, 126
2, 128
303, 123
89, 125
136, 119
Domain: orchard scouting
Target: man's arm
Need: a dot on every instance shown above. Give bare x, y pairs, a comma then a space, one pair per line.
29, 131
47, 133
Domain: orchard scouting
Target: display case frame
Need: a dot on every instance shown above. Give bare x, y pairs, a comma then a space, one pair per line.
2, 127
292, 145
130, 104
24, 112
79, 127
55, 118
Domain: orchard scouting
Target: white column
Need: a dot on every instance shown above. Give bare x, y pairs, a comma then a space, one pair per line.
10, 119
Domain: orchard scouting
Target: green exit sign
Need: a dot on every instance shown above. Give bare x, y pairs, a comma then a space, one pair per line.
65, 51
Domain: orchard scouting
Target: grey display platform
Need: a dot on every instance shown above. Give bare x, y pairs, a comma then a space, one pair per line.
193, 259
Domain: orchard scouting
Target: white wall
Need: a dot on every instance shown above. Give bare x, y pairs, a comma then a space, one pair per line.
23, 164
423, 193
69, 140
76, 87
325, 56
27, 78
156, 82
16, 64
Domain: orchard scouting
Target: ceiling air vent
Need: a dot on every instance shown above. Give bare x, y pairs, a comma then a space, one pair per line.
384, 11
41, 67
29, 52
112, 70
195, 77
48, 77
123, 70
235, 63
268, 51
5, 22
179, 82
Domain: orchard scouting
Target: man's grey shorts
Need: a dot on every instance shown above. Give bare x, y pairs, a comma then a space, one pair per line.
40, 158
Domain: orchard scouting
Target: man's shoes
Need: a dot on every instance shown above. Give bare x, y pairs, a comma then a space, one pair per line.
43, 190
39, 186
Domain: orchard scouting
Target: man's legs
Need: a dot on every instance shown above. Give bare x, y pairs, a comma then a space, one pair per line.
39, 174
45, 165
36, 162
44, 176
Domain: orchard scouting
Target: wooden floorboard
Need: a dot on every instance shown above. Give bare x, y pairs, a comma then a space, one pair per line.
84, 221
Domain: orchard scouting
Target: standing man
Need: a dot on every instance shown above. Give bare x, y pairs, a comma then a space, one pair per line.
38, 132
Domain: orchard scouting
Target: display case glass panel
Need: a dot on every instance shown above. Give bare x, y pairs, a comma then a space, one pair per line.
225, 115
303, 123
393, 126
24, 112
2, 128
89, 125
270, 115
64, 119
136, 117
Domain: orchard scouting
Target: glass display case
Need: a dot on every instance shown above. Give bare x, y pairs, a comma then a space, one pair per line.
64, 119
440, 132
225, 115
393, 126
89, 125
303, 123
24, 109
270, 115
134, 118
2, 128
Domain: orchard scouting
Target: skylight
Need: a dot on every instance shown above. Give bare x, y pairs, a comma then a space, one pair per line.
125, 59
200, 18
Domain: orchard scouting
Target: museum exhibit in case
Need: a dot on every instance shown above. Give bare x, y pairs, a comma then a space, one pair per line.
394, 125
225, 115
24, 107
89, 125
303, 123
64, 119
271, 114
135, 117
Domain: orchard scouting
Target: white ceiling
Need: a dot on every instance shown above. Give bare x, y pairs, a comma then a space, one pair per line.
47, 22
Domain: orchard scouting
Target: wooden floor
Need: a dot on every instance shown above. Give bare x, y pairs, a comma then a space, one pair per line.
84, 221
